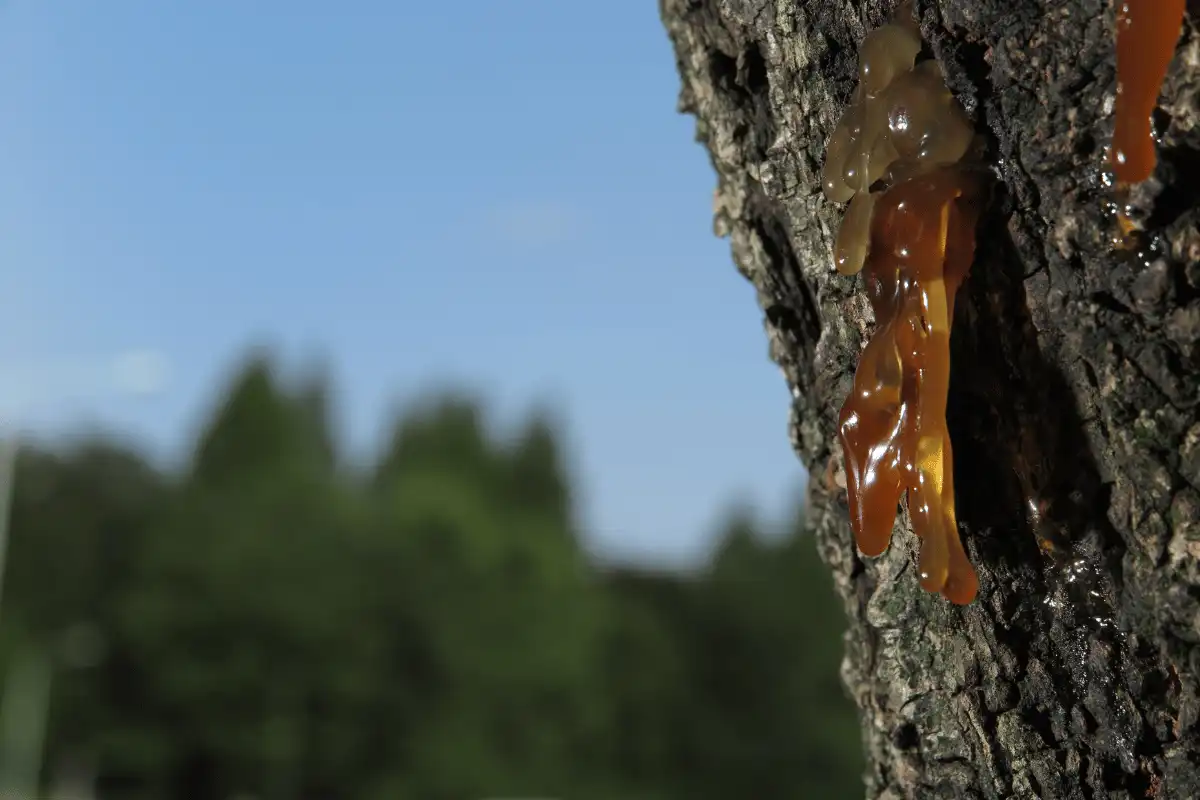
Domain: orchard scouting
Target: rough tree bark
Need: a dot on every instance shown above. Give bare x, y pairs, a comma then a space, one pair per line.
1074, 409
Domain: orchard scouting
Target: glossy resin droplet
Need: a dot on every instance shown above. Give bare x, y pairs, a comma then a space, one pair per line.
893, 425
1147, 31
898, 156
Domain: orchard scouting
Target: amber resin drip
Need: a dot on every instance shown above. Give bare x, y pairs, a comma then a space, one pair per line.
1147, 31
901, 155
893, 424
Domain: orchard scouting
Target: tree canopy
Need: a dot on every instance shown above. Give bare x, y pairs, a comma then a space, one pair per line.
266, 621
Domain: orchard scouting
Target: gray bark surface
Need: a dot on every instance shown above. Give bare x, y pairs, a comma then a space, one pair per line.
1074, 405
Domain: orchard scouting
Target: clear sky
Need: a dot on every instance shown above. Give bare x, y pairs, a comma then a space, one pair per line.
497, 196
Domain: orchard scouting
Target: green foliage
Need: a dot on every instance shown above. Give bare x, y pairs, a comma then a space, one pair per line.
261, 429
267, 624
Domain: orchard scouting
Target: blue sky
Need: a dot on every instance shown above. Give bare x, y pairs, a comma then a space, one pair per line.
496, 196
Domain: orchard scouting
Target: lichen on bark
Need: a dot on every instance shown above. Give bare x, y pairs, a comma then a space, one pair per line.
1074, 405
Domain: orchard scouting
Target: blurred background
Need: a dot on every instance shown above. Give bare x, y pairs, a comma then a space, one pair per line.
381, 419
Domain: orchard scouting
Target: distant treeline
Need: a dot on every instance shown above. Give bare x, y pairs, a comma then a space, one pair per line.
268, 623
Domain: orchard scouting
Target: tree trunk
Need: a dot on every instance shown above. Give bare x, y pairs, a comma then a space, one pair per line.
1074, 408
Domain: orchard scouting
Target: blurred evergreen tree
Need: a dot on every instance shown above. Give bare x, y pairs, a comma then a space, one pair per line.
260, 428
442, 435
242, 605
537, 478
725, 684
771, 710
431, 628
78, 521
494, 571
649, 686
